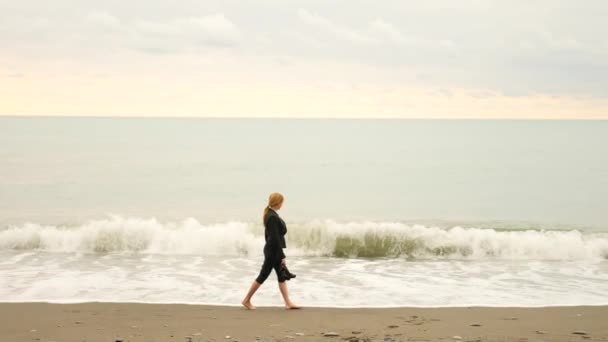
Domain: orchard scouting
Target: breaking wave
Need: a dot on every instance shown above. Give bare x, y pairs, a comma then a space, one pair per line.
363, 239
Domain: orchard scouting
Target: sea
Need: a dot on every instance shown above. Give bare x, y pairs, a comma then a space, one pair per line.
379, 212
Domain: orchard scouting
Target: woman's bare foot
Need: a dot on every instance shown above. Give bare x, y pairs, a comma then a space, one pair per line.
248, 305
292, 306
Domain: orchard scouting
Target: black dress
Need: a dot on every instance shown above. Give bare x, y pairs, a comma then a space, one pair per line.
274, 233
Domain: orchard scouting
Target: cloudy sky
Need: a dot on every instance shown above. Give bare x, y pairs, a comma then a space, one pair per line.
276, 58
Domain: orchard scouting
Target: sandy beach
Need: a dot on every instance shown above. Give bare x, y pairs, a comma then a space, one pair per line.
179, 322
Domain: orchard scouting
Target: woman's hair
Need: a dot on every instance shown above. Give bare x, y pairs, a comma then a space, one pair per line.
274, 199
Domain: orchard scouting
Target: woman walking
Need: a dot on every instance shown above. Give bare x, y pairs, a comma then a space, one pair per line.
274, 232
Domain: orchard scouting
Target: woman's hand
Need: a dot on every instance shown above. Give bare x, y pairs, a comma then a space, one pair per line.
283, 261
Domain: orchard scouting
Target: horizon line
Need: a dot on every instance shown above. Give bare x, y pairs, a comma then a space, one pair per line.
288, 118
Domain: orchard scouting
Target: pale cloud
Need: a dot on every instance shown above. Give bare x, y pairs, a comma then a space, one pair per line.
376, 31
103, 19
337, 31
183, 34
15, 75
213, 28
452, 54
388, 30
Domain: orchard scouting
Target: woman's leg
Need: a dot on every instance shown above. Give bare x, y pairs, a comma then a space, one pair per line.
264, 273
247, 301
288, 303
283, 287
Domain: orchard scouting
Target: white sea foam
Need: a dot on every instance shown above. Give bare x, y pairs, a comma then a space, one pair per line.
321, 281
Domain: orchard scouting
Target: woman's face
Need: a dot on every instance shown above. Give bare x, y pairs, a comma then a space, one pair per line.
279, 205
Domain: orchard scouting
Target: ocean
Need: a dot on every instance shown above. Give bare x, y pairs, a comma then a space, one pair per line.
380, 213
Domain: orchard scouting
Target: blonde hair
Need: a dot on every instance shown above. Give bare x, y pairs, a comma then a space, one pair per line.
274, 199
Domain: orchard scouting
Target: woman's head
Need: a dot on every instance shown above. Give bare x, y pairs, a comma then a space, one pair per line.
275, 201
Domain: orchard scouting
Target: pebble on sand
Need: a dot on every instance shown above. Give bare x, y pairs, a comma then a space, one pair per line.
579, 332
331, 334
299, 334
475, 325
456, 337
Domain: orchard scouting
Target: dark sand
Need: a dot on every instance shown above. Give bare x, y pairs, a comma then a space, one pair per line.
178, 322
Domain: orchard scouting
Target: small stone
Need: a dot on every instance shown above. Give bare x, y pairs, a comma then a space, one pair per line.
118, 340
78, 322
393, 326
579, 332
356, 332
227, 337
331, 334
299, 334
475, 325
456, 337
188, 338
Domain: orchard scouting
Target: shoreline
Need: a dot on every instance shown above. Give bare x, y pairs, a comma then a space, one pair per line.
219, 305
112, 321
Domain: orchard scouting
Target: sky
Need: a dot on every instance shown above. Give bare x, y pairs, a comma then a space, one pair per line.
534, 59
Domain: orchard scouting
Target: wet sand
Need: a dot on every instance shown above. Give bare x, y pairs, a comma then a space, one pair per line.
179, 322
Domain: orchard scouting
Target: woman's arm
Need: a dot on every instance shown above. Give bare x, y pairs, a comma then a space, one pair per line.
274, 238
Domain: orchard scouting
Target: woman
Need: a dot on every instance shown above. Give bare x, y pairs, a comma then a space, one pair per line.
274, 232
